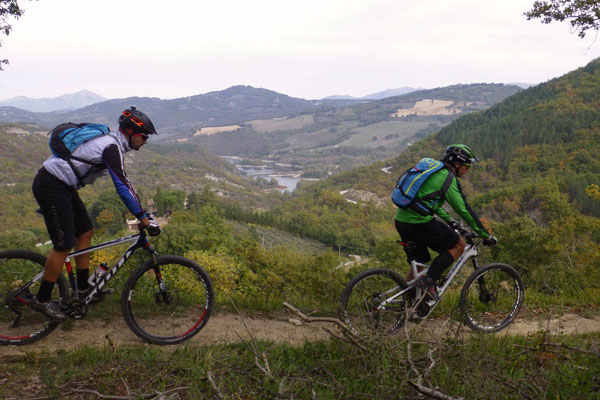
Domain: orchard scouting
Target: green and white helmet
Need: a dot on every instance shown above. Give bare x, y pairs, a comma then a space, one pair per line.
460, 153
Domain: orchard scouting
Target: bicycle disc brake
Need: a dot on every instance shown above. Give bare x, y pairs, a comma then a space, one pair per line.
163, 297
484, 294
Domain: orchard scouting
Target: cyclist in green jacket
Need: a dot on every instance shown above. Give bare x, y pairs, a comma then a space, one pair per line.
428, 231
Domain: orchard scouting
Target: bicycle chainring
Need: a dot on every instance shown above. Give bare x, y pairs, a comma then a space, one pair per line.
75, 309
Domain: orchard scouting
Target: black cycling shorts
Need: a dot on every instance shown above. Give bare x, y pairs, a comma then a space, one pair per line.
64, 212
433, 234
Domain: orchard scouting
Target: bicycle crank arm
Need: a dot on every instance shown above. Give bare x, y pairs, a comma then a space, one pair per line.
75, 309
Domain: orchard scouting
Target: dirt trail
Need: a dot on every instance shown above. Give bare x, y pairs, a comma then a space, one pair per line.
222, 328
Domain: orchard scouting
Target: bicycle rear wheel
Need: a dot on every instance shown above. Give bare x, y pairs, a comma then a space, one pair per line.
18, 323
362, 296
492, 297
167, 302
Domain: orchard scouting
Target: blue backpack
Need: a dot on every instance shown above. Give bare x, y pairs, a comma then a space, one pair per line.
67, 137
409, 183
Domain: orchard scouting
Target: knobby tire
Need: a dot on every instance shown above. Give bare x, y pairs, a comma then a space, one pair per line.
173, 316
17, 268
492, 297
364, 293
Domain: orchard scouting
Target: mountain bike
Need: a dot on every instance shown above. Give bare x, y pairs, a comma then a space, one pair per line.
380, 301
166, 300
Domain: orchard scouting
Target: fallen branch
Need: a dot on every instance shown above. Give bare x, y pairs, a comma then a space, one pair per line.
315, 319
155, 395
346, 338
214, 385
432, 392
419, 386
576, 349
510, 385
126, 386
347, 332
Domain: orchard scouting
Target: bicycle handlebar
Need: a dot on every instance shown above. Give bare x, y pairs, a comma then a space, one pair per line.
469, 236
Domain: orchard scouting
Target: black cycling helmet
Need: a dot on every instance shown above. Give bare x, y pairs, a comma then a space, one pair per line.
459, 153
133, 121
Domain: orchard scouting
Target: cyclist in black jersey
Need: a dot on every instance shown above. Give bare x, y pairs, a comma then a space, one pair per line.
67, 221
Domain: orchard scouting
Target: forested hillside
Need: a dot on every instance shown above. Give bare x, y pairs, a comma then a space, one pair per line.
330, 139
539, 154
529, 188
187, 169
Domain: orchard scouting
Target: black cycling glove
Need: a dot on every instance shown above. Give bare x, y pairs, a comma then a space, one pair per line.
491, 241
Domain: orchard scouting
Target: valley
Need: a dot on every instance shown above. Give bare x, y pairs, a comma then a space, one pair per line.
263, 245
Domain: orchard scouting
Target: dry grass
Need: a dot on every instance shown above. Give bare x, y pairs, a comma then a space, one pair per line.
429, 107
211, 130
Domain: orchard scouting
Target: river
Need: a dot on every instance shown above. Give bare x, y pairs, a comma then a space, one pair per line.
283, 176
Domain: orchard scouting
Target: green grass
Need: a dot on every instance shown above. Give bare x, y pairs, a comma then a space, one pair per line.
484, 367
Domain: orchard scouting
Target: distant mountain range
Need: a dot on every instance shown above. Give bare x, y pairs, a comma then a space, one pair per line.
70, 101
186, 114
375, 96
181, 117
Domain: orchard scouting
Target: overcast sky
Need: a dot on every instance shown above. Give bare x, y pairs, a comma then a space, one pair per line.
309, 49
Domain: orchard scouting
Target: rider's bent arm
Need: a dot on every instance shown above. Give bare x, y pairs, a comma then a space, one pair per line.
459, 204
439, 210
113, 159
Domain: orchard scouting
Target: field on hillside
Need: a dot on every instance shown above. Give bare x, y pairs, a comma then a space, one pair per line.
211, 130
281, 124
388, 133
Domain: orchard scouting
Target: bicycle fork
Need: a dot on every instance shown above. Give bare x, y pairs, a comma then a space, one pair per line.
163, 294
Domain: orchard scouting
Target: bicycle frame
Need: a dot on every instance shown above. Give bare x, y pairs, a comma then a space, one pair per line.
141, 242
470, 252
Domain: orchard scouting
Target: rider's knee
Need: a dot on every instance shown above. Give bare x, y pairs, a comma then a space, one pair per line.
460, 245
87, 236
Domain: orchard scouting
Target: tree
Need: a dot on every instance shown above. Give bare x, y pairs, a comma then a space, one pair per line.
593, 191
582, 14
8, 9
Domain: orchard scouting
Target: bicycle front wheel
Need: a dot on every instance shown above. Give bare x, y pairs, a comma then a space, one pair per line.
361, 300
18, 323
492, 297
169, 301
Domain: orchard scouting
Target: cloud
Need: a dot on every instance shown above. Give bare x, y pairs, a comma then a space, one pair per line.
307, 49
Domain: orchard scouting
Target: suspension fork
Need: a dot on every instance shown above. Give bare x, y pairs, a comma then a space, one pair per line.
163, 294
484, 294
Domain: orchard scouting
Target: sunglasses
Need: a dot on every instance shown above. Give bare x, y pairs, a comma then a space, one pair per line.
143, 135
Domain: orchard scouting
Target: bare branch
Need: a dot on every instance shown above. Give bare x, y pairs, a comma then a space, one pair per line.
126, 386
432, 392
351, 336
510, 385
209, 375
264, 368
346, 338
